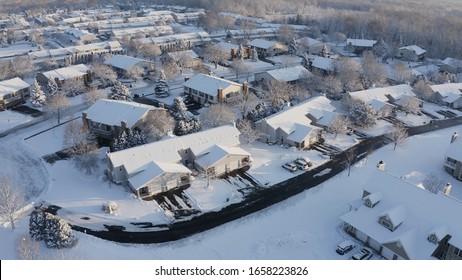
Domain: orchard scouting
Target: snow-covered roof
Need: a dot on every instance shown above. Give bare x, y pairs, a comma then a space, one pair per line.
361, 43
67, 73
193, 37
161, 30
450, 92
289, 74
423, 211
153, 170
415, 49
309, 41
288, 118
208, 84
374, 198
227, 46
323, 117
81, 49
216, 153
113, 112
182, 54
300, 132
12, 85
263, 44
79, 34
457, 63
323, 63
395, 215
167, 150
440, 231
371, 96
455, 149
124, 62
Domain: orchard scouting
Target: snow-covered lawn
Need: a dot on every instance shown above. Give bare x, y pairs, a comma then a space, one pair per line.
285, 60
381, 127
340, 141
10, 119
412, 119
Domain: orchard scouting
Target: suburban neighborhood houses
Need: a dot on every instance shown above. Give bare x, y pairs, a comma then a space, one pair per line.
146, 123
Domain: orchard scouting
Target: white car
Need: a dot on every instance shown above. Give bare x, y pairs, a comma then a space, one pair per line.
290, 166
345, 247
364, 254
302, 164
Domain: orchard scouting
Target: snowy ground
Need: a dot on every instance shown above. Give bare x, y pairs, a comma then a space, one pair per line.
412, 119
306, 226
10, 119
285, 60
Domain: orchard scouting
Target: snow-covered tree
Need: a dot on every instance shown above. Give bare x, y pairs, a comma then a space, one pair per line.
254, 55
411, 105
107, 75
178, 105
248, 130
94, 95
216, 54
129, 139
27, 248
120, 92
87, 162
332, 87
373, 72
347, 71
339, 125
243, 102
73, 87
56, 104
240, 53
381, 48
37, 224
362, 114
57, 233
135, 73
20, 66
424, 91
37, 96
278, 93
186, 122
217, 115
162, 89
261, 111
52, 87
324, 51
78, 139
402, 73
12, 200
158, 123
170, 68
286, 33
397, 135
433, 183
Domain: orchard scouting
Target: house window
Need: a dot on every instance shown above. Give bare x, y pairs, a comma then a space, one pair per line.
384, 222
368, 203
456, 251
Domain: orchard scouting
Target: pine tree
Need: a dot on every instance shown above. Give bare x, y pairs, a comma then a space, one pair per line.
186, 122
129, 139
162, 89
240, 52
325, 51
120, 92
254, 55
58, 233
52, 87
37, 96
362, 114
292, 46
37, 224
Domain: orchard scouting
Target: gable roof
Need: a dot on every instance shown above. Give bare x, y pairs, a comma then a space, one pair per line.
262, 44
300, 132
361, 43
455, 149
167, 150
113, 112
323, 63
12, 85
124, 62
289, 74
153, 170
448, 89
415, 49
216, 153
382, 94
208, 84
67, 73
190, 54
422, 210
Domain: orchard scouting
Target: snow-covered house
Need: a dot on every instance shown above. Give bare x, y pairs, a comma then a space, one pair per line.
293, 126
383, 100
360, 45
210, 89
75, 72
313, 45
321, 64
123, 64
453, 158
448, 94
401, 221
81, 36
187, 58
155, 167
187, 18
261, 33
179, 41
13, 92
451, 65
412, 53
266, 48
288, 74
108, 118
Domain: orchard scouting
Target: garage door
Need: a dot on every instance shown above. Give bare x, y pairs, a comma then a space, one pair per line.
361, 236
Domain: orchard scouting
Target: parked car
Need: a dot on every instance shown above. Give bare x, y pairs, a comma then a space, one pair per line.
363, 254
285, 146
290, 166
345, 247
303, 164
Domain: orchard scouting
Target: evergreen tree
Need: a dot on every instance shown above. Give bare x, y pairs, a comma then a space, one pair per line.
240, 52
37, 225
120, 92
325, 51
293, 46
186, 122
37, 96
129, 139
58, 233
162, 89
254, 55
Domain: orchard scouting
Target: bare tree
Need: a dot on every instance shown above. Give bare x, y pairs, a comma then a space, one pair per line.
87, 162
135, 73
170, 68
94, 95
339, 125
347, 71
150, 50
247, 27
73, 87
373, 72
20, 66
239, 67
248, 131
411, 105
423, 90
338, 37
217, 115
286, 33
12, 200
243, 102
216, 54
332, 87
158, 123
402, 73
350, 156
362, 114
107, 75
78, 139
278, 92
57, 104
433, 183
27, 248
397, 135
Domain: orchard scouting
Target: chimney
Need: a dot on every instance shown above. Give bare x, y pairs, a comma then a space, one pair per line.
453, 137
186, 79
220, 94
84, 119
123, 124
245, 88
161, 105
447, 189
249, 52
381, 165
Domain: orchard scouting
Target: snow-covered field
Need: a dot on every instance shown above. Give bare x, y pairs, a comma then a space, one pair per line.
306, 226
10, 119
